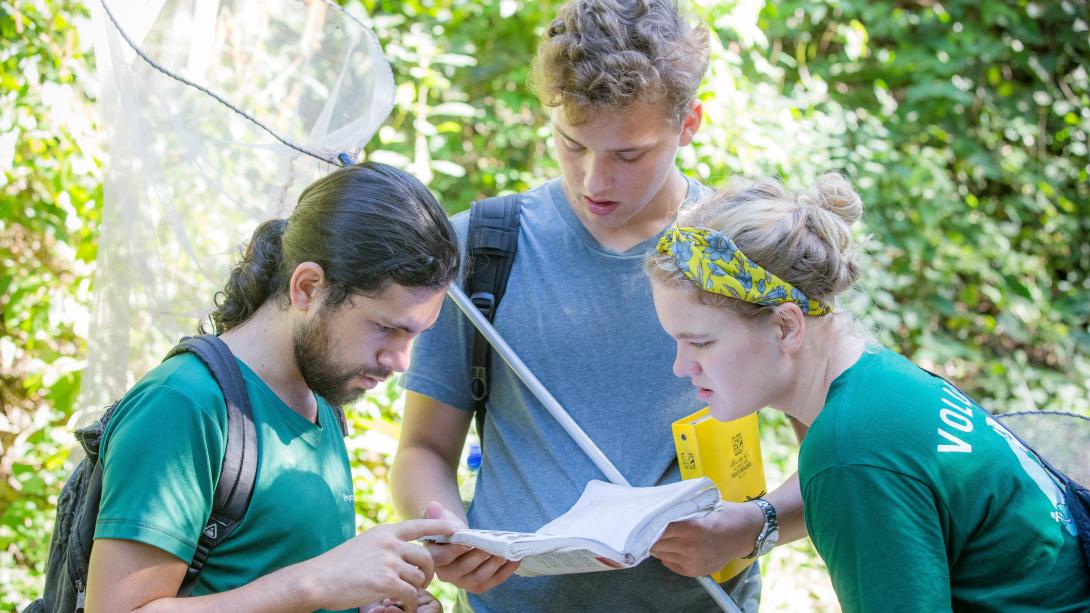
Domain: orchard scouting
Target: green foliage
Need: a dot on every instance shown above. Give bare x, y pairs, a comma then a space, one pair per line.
464, 121
964, 125
969, 145
50, 197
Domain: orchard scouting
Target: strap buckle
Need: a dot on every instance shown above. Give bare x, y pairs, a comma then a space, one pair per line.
478, 382
485, 303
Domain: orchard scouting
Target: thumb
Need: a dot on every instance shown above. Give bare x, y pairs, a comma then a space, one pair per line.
434, 510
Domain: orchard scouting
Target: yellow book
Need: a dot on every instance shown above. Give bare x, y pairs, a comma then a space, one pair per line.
728, 453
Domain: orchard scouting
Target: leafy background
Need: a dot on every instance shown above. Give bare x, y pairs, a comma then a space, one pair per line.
963, 124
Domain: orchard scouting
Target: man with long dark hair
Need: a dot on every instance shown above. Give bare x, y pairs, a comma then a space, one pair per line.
323, 306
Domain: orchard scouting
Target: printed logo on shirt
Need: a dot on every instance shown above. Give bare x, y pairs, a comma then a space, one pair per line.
956, 417
1044, 481
349, 498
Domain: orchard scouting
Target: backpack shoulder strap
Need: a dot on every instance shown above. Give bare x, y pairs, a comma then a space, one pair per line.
342, 420
491, 244
236, 482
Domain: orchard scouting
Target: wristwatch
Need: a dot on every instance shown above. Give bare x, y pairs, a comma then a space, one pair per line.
770, 533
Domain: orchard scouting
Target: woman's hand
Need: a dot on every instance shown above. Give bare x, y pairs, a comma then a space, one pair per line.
703, 546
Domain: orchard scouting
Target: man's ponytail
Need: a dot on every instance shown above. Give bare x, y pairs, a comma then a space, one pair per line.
258, 277
366, 226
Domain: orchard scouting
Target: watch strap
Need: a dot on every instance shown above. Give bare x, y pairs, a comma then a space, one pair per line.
769, 534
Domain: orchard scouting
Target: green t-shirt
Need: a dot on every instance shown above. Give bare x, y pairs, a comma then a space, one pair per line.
919, 501
163, 451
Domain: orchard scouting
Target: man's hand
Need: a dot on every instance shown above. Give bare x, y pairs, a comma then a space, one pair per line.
703, 546
470, 569
377, 565
425, 603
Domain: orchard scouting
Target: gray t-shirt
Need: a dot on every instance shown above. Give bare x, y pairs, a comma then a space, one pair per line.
582, 319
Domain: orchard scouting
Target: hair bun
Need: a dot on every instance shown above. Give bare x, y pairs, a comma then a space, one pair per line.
834, 193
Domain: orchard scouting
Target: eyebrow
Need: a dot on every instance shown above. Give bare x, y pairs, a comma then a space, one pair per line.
637, 149
397, 325
404, 327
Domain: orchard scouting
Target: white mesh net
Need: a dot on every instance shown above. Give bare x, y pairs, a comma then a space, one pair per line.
188, 177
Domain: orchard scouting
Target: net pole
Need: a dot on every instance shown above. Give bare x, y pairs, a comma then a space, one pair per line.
553, 407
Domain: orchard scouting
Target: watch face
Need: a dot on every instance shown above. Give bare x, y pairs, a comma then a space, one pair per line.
770, 534
769, 542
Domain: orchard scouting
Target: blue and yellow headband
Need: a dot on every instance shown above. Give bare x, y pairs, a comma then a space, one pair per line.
715, 263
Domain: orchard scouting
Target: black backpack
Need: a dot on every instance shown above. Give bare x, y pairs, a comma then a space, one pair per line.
491, 243
77, 506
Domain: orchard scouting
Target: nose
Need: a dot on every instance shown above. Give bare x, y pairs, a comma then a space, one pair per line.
596, 176
685, 366
396, 356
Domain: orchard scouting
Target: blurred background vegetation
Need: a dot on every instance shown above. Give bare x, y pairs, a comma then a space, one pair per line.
964, 124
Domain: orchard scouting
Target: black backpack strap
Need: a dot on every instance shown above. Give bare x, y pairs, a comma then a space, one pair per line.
342, 420
492, 241
239, 471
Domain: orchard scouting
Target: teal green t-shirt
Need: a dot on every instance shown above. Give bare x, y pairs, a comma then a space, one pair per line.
163, 450
919, 501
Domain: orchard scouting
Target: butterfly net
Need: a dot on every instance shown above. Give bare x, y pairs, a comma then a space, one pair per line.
1061, 438
217, 114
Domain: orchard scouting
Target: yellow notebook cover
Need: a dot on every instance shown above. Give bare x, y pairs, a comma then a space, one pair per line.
728, 453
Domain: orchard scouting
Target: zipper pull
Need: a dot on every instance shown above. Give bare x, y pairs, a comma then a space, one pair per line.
81, 595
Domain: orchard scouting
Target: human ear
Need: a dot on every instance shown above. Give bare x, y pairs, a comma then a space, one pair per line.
691, 123
306, 285
790, 326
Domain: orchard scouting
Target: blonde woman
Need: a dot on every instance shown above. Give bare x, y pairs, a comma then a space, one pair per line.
916, 498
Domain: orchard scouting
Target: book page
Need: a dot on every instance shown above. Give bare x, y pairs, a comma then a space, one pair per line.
495, 542
640, 542
566, 562
518, 545
592, 536
611, 513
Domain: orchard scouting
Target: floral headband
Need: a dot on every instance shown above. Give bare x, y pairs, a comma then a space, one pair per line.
717, 265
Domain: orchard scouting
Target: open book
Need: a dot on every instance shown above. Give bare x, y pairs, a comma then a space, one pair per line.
609, 527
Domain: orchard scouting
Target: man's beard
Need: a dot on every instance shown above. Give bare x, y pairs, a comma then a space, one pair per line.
311, 343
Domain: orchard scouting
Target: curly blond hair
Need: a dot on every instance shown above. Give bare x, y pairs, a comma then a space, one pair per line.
606, 54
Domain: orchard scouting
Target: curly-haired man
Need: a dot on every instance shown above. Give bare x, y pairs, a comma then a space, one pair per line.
620, 81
